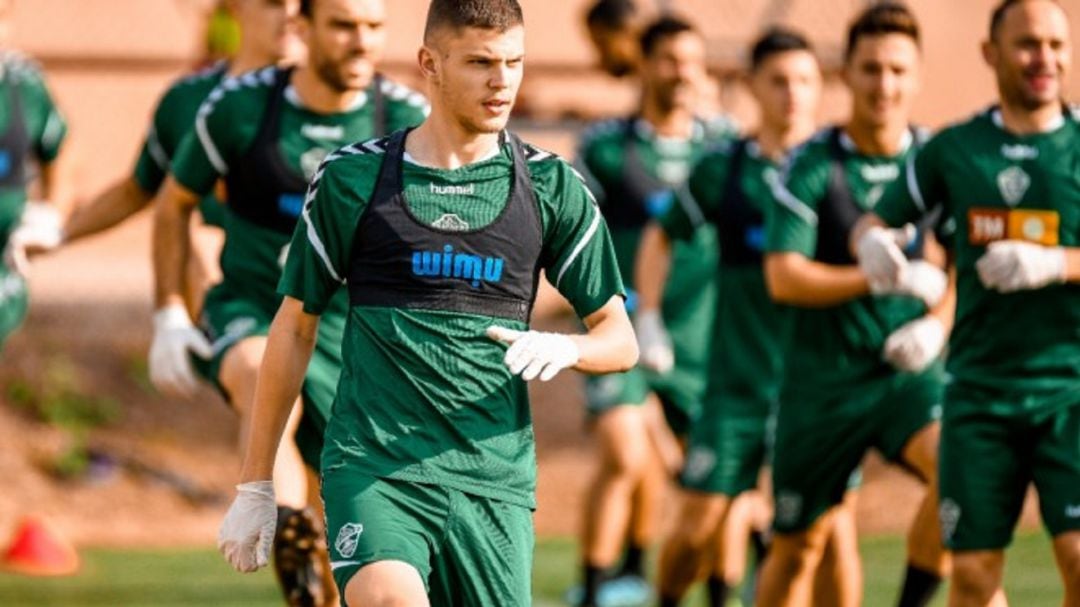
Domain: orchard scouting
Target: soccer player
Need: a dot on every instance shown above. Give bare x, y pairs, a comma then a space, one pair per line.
861, 366
634, 165
264, 41
31, 130
439, 234
1008, 179
264, 133
613, 27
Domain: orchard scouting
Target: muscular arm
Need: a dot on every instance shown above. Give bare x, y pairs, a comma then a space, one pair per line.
794, 279
1072, 265
609, 345
122, 200
651, 267
288, 351
173, 207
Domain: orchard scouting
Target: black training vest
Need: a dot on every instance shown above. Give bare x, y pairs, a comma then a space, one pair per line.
398, 261
262, 187
740, 226
638, 197
15, 141
838, 212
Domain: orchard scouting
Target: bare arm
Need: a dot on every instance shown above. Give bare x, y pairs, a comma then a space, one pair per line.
1072, 265
794, 279
609, 345
288, 351
172, 242
651, 267
122, 200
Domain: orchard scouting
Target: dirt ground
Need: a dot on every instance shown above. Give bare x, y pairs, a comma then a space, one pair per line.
90, 322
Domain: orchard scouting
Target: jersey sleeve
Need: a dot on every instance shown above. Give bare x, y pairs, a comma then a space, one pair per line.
578, 255
224, 127
697, 201
791, 226
48, 128
318, 257
158, 147
919, 191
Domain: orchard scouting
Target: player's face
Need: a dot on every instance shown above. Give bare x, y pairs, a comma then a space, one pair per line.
475, 75
345, 40
787, 87
1031, 54
267, 25
674, 71
883, 75
616, 49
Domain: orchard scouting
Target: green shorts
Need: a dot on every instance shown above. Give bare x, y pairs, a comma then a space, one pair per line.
469, 550
13, 302
212, 211
729, 445
679, 391
823, 434
988, 460
228, 319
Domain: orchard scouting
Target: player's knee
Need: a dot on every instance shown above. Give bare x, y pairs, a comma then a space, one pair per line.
1067, 554
977, 575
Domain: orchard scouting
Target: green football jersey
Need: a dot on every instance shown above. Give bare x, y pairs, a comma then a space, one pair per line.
424, 395
995, 185
835, 345
225, 130
173, 118
745, 349
635, 175
40, 134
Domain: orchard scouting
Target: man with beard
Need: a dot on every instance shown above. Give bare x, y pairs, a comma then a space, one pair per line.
264, 133
265, 40
1008, 179
634, 166
861, 367
439, 233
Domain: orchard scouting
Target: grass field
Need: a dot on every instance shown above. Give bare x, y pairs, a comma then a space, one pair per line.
140, 578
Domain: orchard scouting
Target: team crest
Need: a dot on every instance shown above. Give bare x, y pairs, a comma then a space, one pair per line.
348, 538
949, 515
451, 223
1013, 183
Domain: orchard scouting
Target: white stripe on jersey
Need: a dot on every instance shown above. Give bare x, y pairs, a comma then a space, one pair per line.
157, 153
580, 245
913, 184
793, 204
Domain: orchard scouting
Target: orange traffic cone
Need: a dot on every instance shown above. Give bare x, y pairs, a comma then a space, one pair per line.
39, 549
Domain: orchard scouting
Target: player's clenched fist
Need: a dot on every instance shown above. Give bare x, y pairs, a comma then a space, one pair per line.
247, 533
915, 344
1014, 265
39, 230
880, 253
919, 279
532, 353
654, 342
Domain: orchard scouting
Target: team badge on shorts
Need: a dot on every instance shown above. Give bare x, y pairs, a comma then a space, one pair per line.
949, 515
788, 507
347, 539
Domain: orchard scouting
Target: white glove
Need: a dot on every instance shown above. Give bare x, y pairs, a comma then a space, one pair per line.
654, 342
1015, 265
881, 255
915, 345
40, 229
533, 353
247, 533
174, 338
919, 279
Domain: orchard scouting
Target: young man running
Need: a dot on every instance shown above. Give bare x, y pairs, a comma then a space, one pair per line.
265, 133
1008, 179
634, 166
729, 191
31, 130
860, 370
439, 234
265, 39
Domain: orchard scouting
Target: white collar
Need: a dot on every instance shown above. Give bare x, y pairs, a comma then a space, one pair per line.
294, 99
999, 122
906, 141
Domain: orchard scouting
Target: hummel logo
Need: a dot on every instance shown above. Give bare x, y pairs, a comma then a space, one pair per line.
322, 131
1072, 511
458, 190
1019, 152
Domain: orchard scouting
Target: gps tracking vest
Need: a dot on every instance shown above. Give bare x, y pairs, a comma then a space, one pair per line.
262, 187
839, 211
739, 225
638, 197
15, 141
398, 261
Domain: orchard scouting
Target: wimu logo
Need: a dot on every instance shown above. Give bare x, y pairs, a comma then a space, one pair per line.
473, 269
